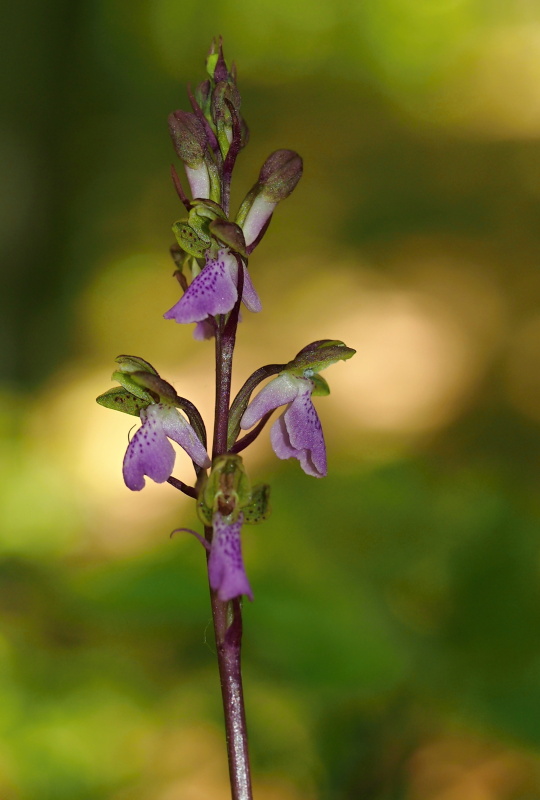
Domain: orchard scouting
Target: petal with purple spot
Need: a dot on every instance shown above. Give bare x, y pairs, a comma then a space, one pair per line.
212, 292
149, 453
305, 430
226, 570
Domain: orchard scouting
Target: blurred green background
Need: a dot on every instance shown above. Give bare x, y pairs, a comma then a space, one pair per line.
393, 648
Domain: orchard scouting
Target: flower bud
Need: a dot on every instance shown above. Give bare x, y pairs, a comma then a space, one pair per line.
202, 95
278, 177
216, 65
188, 136
190, 143
226, 101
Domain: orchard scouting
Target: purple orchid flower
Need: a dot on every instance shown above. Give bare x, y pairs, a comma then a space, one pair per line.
225, 566
226, 569
215, 290
150, 452
297, 433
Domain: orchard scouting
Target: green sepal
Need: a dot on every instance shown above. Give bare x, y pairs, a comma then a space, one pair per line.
321, 386
134, 364
156, 385
230, 234
200, 217
126, 380
258, 509
317, 356
121, 400
204, 207
246, 204
204, 513
189, 239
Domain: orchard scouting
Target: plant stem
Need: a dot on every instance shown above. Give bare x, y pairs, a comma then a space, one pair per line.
227, 617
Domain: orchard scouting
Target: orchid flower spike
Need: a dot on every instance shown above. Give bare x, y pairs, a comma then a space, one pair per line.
215, 290
297, 433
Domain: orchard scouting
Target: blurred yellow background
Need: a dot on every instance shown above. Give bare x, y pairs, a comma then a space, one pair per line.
393, 648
